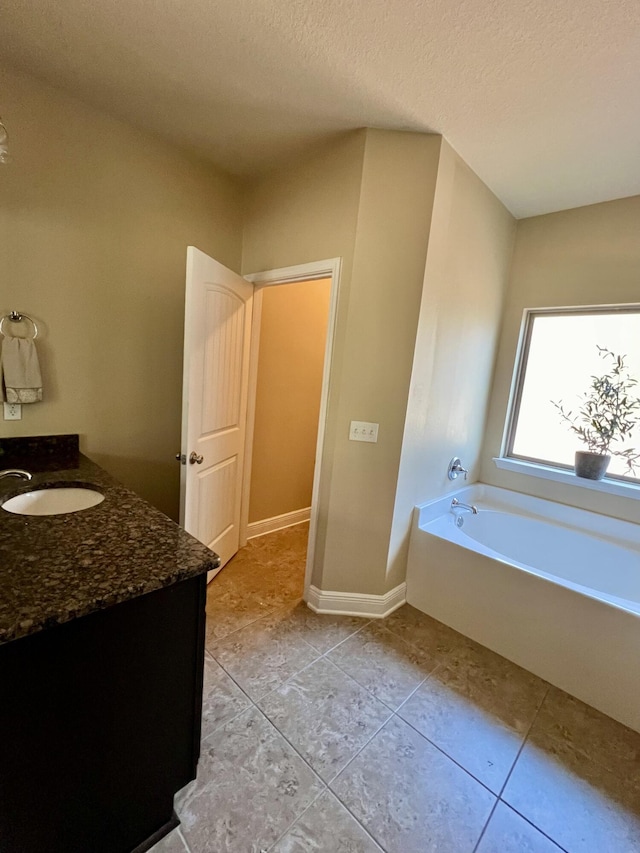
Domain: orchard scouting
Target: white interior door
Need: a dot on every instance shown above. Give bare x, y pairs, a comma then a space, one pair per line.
214, 405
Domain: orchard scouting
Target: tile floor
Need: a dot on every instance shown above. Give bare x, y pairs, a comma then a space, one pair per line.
345, 735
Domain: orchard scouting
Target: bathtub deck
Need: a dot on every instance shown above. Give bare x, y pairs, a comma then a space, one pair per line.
334, 733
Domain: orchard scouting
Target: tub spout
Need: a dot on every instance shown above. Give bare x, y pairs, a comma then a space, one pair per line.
455, 504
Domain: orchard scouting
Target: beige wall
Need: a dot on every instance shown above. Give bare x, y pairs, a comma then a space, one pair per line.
293, 334
465, 278
94, 223
586, 256
394, 218
367, 197
308, 212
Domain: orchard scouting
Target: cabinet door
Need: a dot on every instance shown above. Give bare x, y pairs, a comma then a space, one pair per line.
101, 724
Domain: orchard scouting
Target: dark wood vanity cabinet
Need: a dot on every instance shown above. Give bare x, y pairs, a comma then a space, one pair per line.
100, 725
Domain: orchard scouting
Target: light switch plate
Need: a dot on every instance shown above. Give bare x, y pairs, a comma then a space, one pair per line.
12, 411
363, 431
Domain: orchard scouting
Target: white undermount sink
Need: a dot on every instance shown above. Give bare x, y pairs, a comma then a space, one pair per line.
48, 501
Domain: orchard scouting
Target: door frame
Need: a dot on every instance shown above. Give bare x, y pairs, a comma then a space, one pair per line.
330, 268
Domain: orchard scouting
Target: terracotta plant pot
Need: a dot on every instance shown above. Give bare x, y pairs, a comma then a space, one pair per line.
591, 466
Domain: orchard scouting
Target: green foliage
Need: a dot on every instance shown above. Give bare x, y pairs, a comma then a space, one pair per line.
608, 411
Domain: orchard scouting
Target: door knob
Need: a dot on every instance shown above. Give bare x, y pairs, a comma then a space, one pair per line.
180, 457
193, 458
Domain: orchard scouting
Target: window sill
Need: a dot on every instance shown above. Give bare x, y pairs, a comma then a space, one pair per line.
558, 475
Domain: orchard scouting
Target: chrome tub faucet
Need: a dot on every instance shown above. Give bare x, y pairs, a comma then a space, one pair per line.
455, 504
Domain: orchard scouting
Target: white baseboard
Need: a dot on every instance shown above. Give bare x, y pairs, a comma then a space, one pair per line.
278, 522
356, 604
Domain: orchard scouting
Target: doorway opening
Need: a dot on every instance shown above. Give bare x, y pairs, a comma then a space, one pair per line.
293, 322
294, 313
221, 361
290, 322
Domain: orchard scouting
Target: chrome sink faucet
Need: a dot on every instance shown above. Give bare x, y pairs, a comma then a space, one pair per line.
15, 472
455, 504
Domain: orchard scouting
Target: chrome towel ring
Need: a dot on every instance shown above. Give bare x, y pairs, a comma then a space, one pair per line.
18, 317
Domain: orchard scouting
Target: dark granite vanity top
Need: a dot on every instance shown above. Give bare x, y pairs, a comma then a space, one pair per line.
58, 567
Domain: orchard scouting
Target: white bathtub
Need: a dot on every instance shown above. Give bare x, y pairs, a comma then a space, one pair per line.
553, 588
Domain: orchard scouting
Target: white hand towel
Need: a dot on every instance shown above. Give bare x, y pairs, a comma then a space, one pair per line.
21, 371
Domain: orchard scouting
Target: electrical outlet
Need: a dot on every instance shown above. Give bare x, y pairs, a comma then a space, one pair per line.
363, 431
12, 411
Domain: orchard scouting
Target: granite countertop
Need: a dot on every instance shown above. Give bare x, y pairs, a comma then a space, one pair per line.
59, 567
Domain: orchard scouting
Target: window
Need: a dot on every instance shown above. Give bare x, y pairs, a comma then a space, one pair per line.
559, 355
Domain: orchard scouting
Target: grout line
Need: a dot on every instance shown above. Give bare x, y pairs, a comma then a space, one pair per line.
344, 639
204, 740
364, 746
291, 825
537, 828
449, 656
273, 689
374, 733
184, 840
289, 605
371, 693
484, 828
357, 820
498, 796
288, 678
323, 784
446, 755
326, 785
241, 711
351, 760
242, 627
223, 640
524, 741
355, 681
511, 769
402, 636
320, 655
237, 684
294, 748
364, 687
297, 751
353, 757
253, 704
435, 669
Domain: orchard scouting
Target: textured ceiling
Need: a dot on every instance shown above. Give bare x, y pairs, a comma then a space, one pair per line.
540, 97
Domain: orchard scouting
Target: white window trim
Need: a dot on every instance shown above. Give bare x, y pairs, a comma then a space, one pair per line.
542, 470
560, 475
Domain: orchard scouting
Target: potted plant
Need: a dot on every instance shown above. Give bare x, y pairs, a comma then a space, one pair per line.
608, 413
